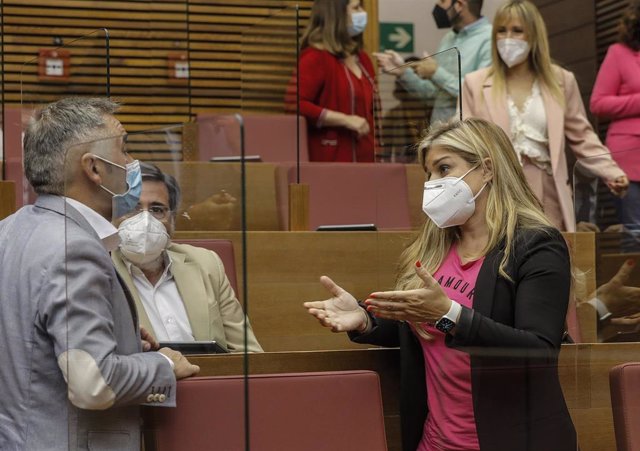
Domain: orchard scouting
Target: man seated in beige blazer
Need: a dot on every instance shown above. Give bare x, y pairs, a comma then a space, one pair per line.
182, 292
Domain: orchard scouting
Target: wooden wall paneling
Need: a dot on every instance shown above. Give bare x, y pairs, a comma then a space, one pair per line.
283, 270
142, 35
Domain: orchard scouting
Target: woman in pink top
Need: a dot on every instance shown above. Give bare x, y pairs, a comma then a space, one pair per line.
616, 96
479, 307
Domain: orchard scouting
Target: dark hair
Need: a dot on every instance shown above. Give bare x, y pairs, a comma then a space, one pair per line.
152, 173
475, 7
629, 27
328, 27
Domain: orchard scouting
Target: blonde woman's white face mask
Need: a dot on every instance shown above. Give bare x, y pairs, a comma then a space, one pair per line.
513, 51
142, 238
449, 201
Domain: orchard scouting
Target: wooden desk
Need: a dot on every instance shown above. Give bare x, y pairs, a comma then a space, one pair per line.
583, 369
284, 267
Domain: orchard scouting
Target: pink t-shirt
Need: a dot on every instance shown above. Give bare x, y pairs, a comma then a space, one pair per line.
451, 422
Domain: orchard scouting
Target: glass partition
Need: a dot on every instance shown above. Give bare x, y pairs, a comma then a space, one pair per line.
235, 187
415, 94
269, 57
600, 209
80, 67
181, 253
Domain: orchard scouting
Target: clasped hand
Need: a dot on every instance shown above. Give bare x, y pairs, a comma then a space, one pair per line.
341, 312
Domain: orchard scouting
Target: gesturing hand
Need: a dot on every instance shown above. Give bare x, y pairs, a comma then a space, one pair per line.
427, 304
390, 62
341, 312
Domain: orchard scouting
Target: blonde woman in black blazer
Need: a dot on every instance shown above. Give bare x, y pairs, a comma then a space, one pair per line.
510, 331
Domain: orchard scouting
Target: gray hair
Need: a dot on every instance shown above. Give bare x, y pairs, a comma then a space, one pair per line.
53, 130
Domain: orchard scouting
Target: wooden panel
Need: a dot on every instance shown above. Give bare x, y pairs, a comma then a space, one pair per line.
228, 72
572, 37
284, 269
212, 195
7, 199
142, 34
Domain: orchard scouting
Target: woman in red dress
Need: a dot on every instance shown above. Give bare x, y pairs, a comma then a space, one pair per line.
336, 84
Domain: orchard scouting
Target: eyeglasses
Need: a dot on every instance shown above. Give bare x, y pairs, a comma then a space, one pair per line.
160, 212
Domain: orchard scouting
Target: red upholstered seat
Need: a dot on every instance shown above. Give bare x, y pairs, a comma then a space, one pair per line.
337, 411
271, 136
354, 193
224, 249
625, 403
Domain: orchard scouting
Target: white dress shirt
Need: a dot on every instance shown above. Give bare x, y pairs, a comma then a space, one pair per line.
163, 304
106, 231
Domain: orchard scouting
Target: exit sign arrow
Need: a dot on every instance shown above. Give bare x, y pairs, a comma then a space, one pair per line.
400, 37
397, 36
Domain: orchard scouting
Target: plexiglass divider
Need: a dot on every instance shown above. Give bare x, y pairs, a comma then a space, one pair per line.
201, 262
415, 94
224, 196
600, 208
81, 67
276, 133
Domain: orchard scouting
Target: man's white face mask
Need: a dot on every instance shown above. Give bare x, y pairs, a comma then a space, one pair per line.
142, 238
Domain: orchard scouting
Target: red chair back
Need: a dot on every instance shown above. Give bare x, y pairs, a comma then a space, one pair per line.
224, 249
624, 382
270, 136
354, 193
339, 410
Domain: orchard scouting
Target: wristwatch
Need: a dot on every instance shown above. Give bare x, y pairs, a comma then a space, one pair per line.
448, 321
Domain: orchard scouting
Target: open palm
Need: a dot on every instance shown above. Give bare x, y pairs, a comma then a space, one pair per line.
341, 312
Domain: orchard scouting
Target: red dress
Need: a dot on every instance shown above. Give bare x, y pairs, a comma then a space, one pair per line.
327, 84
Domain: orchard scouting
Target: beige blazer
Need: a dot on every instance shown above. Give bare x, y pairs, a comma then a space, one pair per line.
564, 123
212, 307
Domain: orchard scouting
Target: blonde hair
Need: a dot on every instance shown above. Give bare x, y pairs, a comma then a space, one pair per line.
328, 29
539, 56
511, 203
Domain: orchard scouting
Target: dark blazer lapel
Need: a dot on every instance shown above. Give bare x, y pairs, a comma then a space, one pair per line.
483, 294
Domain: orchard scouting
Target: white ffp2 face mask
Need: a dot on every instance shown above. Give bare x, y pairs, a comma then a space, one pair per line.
513, 51
142, 238
449, 201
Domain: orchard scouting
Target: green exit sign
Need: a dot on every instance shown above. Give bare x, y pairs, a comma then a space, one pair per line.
396, 36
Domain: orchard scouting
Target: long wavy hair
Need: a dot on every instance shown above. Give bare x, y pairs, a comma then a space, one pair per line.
539, 56
511, 204
328, 28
